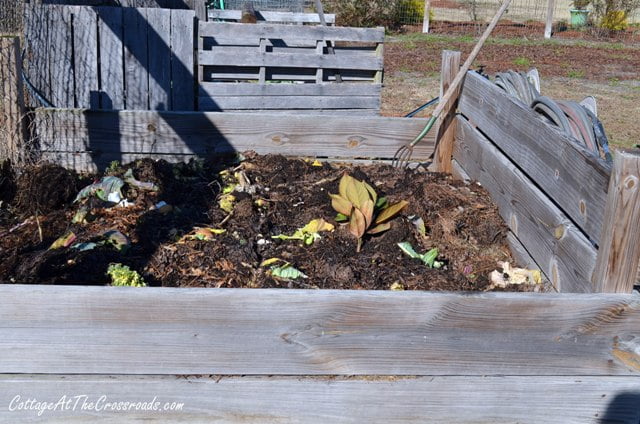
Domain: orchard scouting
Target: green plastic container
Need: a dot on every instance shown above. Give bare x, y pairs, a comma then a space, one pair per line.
579, 17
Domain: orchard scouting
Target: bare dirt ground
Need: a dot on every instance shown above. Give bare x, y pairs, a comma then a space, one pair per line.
568, 70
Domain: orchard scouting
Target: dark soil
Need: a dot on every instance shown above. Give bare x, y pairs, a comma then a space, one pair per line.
284, 194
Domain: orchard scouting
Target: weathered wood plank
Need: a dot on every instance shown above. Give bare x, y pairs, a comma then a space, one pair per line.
446, 124
570, 175
60, 56
182, 62
226, 56
37, 50
165, 331
224, 73
619, 253
288, 102
85, 63
210, 132
564, 254
273, 16
288, 89
136, 59
158, 32
12, 125
111, 58
563, 400
290, 32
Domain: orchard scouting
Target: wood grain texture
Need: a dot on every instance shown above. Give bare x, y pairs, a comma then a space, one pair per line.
446, 124
569, 174
290, 32
273, 16
619, 253
136, 59
207, 103
85, 63
111, 58
165, 331
159, 44
561, 400
13, 128
566, 257
209, 132
182, 61
36, 22
226, 56
288, 89
60, 56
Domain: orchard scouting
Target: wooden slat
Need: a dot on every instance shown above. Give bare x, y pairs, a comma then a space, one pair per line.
217, 73
85, 59
228, 56
136, 62
165, 331
288, 102
562, 400
111, 58
210, 132
273, 16
12, 125
182, 61
619, 253
60, 56
37, 50
564, 254
158, 32
570, 175
288, 89
290, 32
446, 123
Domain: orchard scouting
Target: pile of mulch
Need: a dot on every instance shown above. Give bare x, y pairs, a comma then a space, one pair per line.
282, 195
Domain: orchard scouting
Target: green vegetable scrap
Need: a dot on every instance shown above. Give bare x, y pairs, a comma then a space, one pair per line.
122, 275
63, 241
428, 258
108, 189
309, 233
286, 271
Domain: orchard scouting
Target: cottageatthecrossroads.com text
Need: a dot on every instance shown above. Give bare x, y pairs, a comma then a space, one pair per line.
86, 403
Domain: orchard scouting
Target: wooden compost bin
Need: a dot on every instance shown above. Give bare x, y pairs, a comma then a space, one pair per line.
245, 355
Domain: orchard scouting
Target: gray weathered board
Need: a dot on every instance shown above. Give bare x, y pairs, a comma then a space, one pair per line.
271, 16
198, 6
572, 177
111, 57
561, 251
89, 140
256, 399
168, 331
284, 67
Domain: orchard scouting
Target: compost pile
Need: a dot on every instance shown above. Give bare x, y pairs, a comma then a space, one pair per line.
247, 221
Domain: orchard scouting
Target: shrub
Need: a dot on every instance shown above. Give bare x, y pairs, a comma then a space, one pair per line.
391, 14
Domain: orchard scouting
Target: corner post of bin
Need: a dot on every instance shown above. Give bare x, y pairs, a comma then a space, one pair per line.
11, 89
616, 267
446, 128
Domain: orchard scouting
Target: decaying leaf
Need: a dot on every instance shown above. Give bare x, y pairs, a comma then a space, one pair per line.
309, 233
117, 240
65, 240
396, 286
107, 187
227, 202
286, 271
207, 234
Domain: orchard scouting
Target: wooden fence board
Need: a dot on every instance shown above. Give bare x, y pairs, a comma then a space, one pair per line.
61, 53
565, 255
37, 51
273, 16
85, 42
288, 102
242, 89
111, 58
210, 132
158, 32
227, 57
165, 331
570, 175
182, 62
136, 63
290, 32
562, 400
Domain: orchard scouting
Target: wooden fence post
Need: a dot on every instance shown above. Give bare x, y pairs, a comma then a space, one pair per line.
446, 127
425, 19
549, 23
619, 251
12, 136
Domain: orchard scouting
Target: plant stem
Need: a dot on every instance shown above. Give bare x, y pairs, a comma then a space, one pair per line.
359, 245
